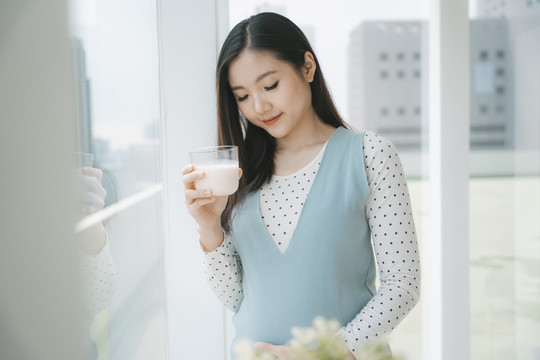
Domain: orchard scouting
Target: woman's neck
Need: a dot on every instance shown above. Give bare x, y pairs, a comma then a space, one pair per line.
295, 152
309, 134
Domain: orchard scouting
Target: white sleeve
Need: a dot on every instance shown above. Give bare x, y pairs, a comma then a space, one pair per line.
394, 240
223, 271
98, 280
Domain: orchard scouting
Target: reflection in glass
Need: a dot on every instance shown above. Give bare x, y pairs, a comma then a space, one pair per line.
97, 272
119, 228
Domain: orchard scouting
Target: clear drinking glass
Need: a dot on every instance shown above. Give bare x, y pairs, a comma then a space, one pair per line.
83, 159
220, 167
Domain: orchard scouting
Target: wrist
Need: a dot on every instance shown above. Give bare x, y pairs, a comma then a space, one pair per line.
210, 238
93, 239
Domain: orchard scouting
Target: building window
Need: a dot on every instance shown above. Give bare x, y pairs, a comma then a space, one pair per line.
484, 56
483, 109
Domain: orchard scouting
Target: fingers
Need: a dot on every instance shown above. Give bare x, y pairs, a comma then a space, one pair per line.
264, 347
190, 177
187, 169
90, 171
192, 195
280, 351
195, 199
92, 201
91, 192
199, 203
93, 184
240, 172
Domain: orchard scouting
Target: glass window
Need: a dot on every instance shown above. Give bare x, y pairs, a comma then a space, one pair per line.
118, 133
505, 180
364, 48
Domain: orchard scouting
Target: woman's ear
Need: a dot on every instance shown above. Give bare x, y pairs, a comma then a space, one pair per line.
309, 68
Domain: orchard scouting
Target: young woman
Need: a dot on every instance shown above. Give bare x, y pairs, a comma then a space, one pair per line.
317, 203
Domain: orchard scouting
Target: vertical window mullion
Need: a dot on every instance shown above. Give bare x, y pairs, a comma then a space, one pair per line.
447, 271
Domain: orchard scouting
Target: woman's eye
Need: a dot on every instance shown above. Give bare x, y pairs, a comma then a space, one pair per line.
242, 98
272, 86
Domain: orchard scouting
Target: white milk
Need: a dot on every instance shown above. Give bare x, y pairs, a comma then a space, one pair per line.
222, 178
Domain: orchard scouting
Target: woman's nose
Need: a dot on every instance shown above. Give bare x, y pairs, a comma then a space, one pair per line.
262, 105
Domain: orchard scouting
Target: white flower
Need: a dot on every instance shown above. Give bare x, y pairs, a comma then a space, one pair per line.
323, 326
303, 336
319, 342
244, 349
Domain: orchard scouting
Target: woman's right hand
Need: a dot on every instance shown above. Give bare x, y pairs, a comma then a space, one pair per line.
202, 205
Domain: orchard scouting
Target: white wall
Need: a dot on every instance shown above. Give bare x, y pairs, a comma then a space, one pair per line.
37, 266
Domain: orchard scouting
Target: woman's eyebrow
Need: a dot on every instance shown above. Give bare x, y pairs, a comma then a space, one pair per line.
259, 78
262, 76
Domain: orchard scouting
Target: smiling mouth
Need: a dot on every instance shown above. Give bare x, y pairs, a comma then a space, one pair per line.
272, 120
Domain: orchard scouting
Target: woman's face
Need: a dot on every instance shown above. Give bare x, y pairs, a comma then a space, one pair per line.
271, 93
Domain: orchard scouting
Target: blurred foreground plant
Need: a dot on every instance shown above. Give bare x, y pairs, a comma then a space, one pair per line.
318, 342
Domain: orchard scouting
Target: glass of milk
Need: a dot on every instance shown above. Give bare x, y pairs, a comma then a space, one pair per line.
82, 159
220, 167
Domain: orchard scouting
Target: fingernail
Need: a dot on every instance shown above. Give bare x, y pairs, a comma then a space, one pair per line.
208, 193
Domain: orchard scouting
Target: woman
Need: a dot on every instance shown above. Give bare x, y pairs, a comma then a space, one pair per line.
295, 241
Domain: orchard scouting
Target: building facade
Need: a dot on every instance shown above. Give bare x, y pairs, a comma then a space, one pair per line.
386, 68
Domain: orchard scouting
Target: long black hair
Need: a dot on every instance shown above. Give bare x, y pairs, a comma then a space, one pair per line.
281, 37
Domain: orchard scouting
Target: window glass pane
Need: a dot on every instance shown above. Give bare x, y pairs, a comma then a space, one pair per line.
373, 55
118, 127
505, 179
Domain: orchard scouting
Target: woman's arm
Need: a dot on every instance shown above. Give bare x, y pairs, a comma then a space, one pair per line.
394, 240
223, 271
98, 280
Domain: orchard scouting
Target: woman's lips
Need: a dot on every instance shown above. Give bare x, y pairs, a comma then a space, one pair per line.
272, 120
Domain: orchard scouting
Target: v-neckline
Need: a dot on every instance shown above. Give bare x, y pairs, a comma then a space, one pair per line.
257, 196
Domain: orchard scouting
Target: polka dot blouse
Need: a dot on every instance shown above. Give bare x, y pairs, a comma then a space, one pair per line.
282, 198
392, 231
98, 280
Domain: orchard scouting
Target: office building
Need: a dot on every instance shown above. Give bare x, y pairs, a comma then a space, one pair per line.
386, 68
490, 8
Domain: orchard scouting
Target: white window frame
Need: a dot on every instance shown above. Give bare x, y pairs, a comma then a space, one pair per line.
188, 45
446, 269
190, 36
